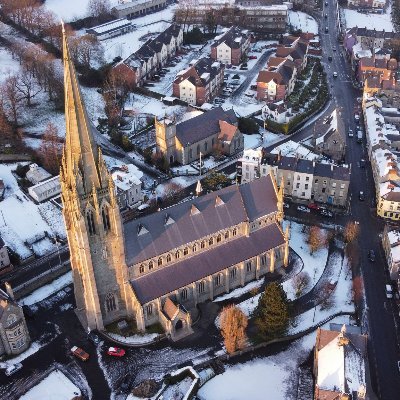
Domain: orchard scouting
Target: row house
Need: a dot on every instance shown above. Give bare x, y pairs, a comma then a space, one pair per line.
212, 130
231, 46
370, 39
383, 142
381, 68
199, 83
294, 48
271, 19
374, 4
329, 137
302, 179
391, 247
277, 82
151, 57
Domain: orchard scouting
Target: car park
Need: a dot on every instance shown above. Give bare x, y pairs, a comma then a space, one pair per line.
361, 196
371, 255
303, 209
115, 352
79, 353
12, 369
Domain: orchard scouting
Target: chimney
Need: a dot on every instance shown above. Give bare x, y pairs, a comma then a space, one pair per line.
9, 291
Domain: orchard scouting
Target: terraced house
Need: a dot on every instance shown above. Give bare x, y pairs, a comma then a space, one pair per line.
158, 268
151, 57
199, 83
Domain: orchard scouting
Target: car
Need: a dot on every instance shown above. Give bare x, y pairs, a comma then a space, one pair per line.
249, 94
286, 205
334, 48
12, 369
94, 338
116, 352
326, 15
252, 57
228, 90
398, 365
356, 117
236, 77
326, 3
361, 196
335, 74
351, 133
79, 353
234, 83
326, 213
303, 209
329, 58
371, 255
313, 206
389, 291
326, 29
243, 68
362, 163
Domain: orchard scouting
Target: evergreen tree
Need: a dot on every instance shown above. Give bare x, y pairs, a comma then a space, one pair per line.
272, 314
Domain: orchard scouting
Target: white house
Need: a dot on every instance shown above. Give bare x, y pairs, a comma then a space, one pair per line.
46, 189
303, 179
37, 174
250, 163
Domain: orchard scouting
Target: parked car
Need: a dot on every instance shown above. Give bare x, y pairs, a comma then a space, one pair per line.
286, 205
79, 353
303, 209
326, 213
326, 29
236, 77
361, 196
335, 74
249, 94
116, 352
334, 48
351, 133
94, 338
389, 291
362, 163
326, 15
371, 255
329, 58
313, 206
356, 117
252, 57
12, 369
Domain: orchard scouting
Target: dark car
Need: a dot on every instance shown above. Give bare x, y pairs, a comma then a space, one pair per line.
94, 338
371, 255
326, 15
361, 196
329, 58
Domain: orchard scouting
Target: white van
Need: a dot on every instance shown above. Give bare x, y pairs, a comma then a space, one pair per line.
389, 292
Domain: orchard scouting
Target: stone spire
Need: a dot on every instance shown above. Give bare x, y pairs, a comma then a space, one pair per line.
80, 159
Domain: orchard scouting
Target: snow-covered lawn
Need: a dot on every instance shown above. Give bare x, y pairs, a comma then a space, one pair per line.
240, 291
22, 222
314, 264
303, 21
261, 378
370, 21
7, 64
47, 290
135, 339
56, 386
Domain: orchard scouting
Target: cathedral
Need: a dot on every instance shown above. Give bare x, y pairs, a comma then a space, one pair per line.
158, 268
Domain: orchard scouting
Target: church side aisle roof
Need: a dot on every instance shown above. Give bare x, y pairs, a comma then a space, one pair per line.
165, 280
240, 203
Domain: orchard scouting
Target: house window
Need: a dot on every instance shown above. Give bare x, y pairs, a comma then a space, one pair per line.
219, 238
218, 280
110, 302
151, 265
233, 273
184, 294
185, 251
203, 244
149, 309
198, 149
297, 185
248, 266
177, 254
210, 241
234, 232
160, 261
194, 248
141, 269
307, 178
168, 257
306, 186
205, 146
316, 181
334, 184
201, 287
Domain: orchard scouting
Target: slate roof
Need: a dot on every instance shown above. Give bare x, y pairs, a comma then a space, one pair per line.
241, 203
203, 126
230, 38
281, 75
166, 280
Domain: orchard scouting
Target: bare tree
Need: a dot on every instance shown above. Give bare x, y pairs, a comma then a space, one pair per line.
325, 296
27, 87
99, 8
12, 99
233, 328
85, 50
172, 190
50, 152
300, 282
316, 239
358, 289
351, 232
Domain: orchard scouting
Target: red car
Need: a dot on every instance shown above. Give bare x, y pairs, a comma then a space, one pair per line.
252, 57
116, 352
313, 206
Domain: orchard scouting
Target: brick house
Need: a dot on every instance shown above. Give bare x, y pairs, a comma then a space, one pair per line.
230, 47
383, 68
294, 48
376, 4
277, 82
199, 83
151, 56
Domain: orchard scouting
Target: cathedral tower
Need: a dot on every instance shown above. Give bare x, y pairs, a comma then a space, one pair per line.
91, 216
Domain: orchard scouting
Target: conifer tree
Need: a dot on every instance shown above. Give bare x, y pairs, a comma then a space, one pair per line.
272, 314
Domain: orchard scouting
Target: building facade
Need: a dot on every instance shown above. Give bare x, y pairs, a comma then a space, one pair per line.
14, 334
137, 8
157, 268
46, 189
302, 179
5, 262
199, 83
391, 247
231, 46
214, 130
111, 29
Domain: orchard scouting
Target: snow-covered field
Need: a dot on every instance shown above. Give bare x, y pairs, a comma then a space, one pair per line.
370, 21
56, 386
22, 222
303, 21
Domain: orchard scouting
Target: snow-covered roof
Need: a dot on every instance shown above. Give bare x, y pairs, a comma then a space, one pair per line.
110, 26
127, 176
294, 149
37, 174
252, 156
359, 52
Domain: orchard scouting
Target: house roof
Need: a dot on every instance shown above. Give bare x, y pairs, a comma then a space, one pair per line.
170, 309
227, 131
176, 226
233, 38
281, 75
204, 125
165, 280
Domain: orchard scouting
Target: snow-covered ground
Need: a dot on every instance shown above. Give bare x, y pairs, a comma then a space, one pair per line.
56, 386
16, 210
47, 290
303, 21
314, 264
135, 339
33, 348
370, 20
